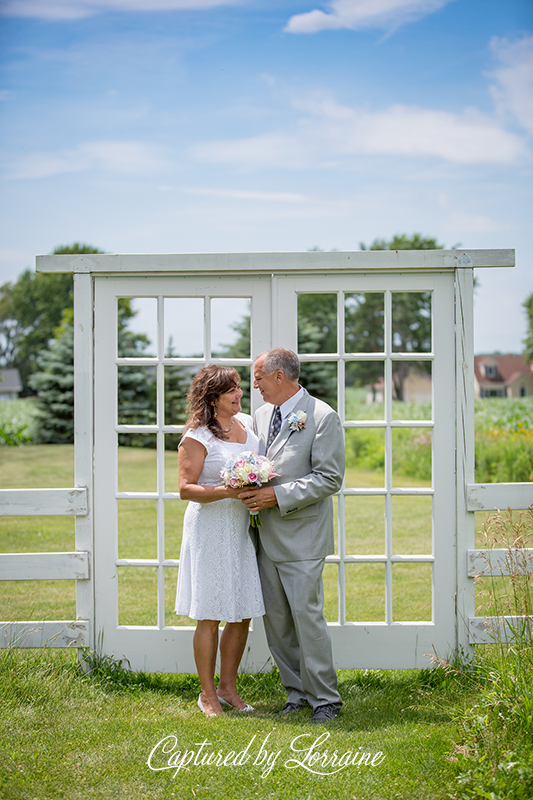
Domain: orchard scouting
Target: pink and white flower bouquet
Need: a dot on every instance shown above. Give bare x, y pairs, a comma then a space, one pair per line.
248, 469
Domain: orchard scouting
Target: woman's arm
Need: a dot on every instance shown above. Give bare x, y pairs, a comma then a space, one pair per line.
191, 457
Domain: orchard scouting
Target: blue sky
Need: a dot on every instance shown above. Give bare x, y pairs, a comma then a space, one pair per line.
270, 125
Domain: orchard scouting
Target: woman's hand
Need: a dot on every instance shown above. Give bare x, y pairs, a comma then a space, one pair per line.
233, 491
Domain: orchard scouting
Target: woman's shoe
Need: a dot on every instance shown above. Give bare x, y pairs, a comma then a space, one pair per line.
223, 702
200, 706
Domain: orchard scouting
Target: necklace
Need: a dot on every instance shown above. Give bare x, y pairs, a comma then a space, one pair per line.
227, 430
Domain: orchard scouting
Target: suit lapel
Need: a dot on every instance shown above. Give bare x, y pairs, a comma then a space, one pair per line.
285, 433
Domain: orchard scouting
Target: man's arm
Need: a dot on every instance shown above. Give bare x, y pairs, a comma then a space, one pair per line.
324, 479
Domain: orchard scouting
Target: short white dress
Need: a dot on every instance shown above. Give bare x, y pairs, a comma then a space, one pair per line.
218, 576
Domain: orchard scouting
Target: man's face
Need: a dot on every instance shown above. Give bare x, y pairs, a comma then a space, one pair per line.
268, 385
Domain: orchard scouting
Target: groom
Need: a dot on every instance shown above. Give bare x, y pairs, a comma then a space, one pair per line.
303, 437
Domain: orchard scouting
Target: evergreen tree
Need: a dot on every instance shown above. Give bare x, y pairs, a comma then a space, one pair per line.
54, 385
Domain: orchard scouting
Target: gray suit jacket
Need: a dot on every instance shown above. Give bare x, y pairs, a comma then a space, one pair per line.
310, 464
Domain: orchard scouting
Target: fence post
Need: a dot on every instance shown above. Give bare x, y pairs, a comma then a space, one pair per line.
465, 459
83, 437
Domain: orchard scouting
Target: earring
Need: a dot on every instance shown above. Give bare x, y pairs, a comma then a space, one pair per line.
214, 412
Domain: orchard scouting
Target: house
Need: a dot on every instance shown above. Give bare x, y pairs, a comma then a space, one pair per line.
10, 384
416, 388
502, 376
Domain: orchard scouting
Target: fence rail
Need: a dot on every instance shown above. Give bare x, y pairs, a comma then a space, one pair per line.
44, 566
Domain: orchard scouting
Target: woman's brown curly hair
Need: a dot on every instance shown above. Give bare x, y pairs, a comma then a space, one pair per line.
206, 387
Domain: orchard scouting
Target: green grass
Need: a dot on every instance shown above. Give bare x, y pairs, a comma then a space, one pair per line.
68, 735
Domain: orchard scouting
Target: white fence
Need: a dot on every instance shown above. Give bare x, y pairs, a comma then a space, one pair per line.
44, 566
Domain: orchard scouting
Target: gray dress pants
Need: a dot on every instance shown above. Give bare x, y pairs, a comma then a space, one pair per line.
296, 629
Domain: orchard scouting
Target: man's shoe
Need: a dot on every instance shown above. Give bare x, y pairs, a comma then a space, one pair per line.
325, 713
289, 707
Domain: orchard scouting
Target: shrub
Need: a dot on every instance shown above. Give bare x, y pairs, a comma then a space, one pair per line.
17, 422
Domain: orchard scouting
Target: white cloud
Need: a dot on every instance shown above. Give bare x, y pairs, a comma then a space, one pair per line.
122, 157
78, 9
513, 88
331, 133
355, 14
240, 194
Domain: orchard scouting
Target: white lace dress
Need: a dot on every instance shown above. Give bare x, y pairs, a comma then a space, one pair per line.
218, 576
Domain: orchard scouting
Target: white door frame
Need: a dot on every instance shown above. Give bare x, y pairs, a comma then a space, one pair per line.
87, 268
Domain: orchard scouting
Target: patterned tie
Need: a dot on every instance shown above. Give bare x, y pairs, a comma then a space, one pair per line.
275, 425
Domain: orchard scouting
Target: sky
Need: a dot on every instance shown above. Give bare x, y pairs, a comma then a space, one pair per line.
168, 126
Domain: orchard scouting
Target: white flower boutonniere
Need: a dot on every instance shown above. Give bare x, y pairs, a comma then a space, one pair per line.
297, 420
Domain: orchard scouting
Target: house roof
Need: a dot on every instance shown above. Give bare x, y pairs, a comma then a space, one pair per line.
510, 367
10, 381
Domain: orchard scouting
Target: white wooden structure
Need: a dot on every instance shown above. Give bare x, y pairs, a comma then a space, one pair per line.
273, 282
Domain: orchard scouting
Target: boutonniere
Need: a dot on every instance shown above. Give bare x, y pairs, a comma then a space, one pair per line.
297, 420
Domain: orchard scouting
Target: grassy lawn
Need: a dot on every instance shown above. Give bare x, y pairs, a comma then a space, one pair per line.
69, 734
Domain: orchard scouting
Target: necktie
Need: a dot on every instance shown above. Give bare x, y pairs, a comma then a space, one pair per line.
275, 425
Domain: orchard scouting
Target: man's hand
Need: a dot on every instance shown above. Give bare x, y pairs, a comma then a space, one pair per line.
256, 499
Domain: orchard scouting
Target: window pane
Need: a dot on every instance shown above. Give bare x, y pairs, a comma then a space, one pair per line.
320, 380
171, 618
412, 525
411, 592
365, 525
365, 458
330, 579
317, 323
364, 390
335, 500
184, 327
365, 592
411, 457
411, 322
230, 326
171, 462
136, 395
174, 511
177, 381
364, 316
137, 595
143, 321
137, 466
137, 528
411, 390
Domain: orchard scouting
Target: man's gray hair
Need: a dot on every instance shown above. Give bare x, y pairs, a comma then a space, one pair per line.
282, 359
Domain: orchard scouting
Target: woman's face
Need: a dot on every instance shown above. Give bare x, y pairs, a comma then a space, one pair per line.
229, 403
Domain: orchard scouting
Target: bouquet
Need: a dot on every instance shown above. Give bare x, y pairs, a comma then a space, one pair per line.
248, 469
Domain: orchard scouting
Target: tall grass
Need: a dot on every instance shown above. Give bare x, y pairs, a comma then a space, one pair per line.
496, 747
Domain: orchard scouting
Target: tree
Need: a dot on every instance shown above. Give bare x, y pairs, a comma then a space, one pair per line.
54, 383
240, 349
411, 319
30, 310
528, 342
